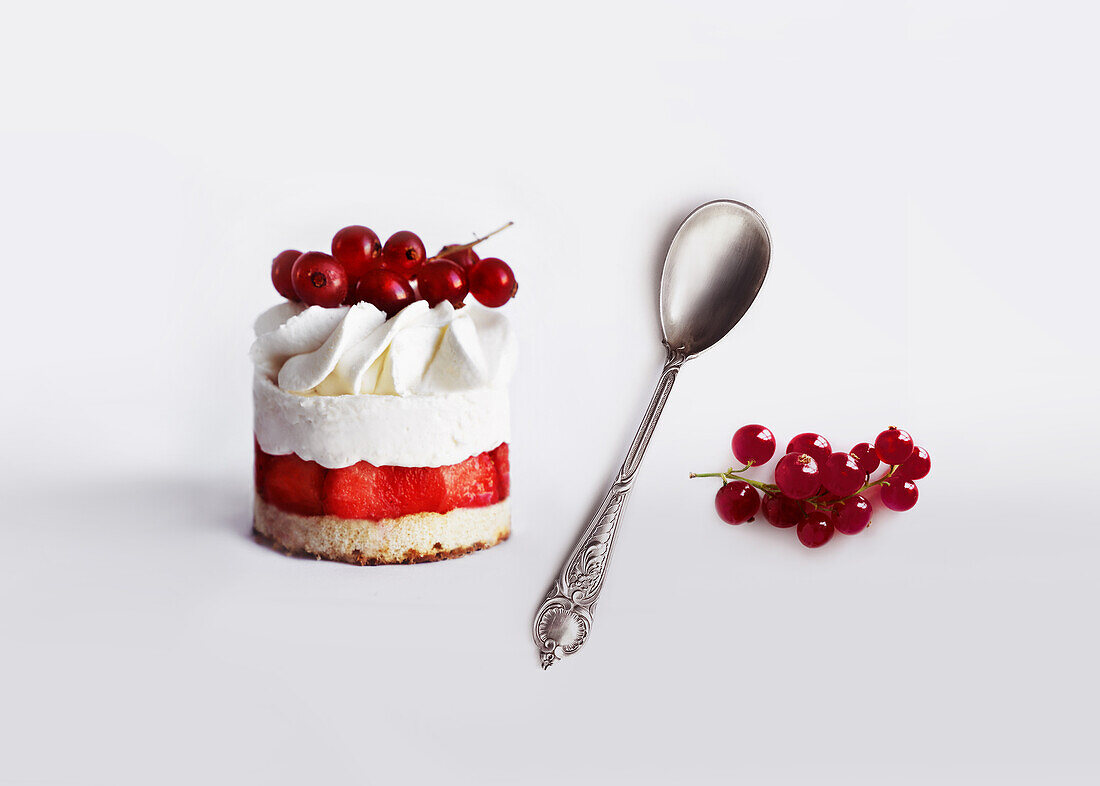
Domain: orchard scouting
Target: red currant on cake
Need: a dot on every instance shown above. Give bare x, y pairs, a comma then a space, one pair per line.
492, 282
358, 249
463, 256
797, 476
385, 290
319, 280
403, 253
893, 446
753, 444
439, 281
737, 502
280, 273
813, 445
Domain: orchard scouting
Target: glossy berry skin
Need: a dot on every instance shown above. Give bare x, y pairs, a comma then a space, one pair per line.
404, 253
385, 290
280, 273
492, 282
797, 476
753, 444
841, 474
893, 445
813, 445
782, 511
866, 457
737, 502
900, 495
358, 249
439, 281
319, 280
815, 530
852, 516
465, 258
916, 466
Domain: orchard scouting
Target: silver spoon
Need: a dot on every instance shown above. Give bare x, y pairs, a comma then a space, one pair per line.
714, 268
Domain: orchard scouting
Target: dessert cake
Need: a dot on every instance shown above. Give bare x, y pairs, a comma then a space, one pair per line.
381, 402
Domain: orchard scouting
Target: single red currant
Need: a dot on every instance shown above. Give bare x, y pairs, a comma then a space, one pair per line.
358, 249
280, 273
893, 445
916, 466
403, 253
866, 456
815, 530
439, 281
899, 494
813, 445
385, 290
465, 258
753, 444
782, 511
492, 282
852, 515
797, 476
319, 280
841, 474
737, 502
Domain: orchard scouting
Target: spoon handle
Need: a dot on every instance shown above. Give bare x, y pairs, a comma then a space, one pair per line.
564, 620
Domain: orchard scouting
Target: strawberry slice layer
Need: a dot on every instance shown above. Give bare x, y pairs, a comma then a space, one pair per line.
366, 491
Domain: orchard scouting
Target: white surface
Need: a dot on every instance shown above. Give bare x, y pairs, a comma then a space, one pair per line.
928, 171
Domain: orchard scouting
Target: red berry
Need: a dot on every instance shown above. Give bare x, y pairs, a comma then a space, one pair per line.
753, 445
385, 290
852, 516
893, 445
813, 445
439, 281
841, 474
492, 282
866, 457
916, 466
403, 253
280, 273
358, 249
815, 530
319, 280
499, 455
782, 511
291, 483
899, 494
737, 502
465, 258
797, 476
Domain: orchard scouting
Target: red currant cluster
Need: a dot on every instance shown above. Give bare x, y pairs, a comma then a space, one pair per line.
390, 276
816, 490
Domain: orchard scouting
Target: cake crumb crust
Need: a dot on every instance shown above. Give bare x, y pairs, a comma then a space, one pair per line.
420, 537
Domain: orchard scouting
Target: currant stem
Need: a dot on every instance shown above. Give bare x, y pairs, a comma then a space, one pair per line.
463, 246
771, 489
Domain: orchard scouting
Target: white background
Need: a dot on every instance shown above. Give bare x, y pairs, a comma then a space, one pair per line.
929, 176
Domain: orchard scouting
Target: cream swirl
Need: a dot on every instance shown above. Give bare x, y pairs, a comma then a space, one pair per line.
356, 350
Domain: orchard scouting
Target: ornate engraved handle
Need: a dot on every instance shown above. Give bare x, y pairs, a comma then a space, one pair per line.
564, 620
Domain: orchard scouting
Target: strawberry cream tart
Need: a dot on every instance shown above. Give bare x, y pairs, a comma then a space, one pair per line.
381, 417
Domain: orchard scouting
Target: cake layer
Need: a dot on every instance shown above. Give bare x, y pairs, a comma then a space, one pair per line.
421, 537
365, 491
405, 431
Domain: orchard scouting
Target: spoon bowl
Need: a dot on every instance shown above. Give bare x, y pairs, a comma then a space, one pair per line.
713, 271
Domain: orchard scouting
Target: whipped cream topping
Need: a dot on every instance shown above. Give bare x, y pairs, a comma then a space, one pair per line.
426, 388
356, 350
